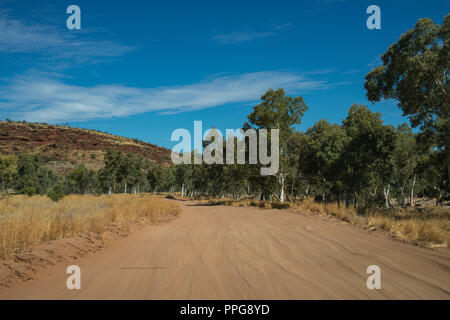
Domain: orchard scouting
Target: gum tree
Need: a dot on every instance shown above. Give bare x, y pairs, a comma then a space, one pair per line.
405, 161
282, 112
366, 161
324, 145
415, 72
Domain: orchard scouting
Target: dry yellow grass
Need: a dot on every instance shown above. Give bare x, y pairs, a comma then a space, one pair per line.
430, 226
27, 221
434, 231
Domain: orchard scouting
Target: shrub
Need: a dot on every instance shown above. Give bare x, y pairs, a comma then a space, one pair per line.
29, 191
56, 193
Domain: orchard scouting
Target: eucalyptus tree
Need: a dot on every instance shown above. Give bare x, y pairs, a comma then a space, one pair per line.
416, 73
278, 111
324, 146
366, 161
405, 161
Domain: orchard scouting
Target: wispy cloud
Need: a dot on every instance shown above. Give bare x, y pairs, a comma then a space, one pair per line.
375, 62
236, 37
352, 71
58, 44
245, 36
48, 99
321, 71
283, 26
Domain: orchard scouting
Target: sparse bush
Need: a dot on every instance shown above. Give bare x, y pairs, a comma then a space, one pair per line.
29, 190
56, 193
280, 205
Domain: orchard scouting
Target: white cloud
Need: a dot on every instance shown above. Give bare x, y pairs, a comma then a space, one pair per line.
52, 43
48, 99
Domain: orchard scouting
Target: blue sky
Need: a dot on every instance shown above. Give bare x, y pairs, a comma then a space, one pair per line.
144, 68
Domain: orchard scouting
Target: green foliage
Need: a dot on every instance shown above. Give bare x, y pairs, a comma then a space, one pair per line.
320, 158
404, 160
28, 168
367, 158
31, 177
278, 111
29, 190
56, 193
123, 173
7, 171
415, 72
81, 180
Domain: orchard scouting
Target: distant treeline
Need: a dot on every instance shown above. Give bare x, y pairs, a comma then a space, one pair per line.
123, 173
362, 162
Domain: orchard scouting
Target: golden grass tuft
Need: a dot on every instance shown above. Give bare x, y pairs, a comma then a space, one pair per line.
431, 231
27, 221
430, 226
312, 206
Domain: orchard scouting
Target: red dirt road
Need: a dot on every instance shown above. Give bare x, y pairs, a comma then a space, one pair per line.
247, 253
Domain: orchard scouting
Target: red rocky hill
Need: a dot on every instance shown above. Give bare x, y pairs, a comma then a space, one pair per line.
63, 148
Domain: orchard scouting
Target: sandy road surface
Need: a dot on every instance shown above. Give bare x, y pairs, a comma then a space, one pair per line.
246, 253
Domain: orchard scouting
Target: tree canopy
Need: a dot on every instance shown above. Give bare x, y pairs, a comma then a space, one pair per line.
415, 72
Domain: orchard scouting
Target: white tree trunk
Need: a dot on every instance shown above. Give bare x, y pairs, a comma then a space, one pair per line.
386, 196
411, 199
282, 182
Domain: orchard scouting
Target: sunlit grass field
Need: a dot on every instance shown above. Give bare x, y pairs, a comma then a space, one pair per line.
27, 221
